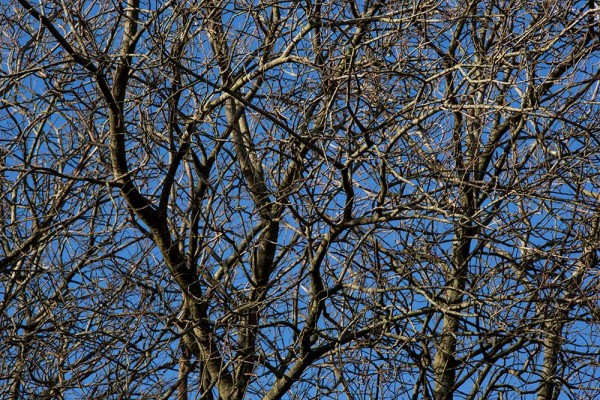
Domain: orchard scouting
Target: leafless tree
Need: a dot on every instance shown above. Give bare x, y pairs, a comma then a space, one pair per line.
307, 199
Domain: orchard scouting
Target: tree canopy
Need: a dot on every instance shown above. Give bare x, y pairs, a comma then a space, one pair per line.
364, 199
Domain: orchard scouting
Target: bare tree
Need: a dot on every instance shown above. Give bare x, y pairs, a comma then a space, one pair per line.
326, 199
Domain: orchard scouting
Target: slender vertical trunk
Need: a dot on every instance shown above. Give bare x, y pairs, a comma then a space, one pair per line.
445, 362
552, 341
184, 370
